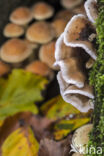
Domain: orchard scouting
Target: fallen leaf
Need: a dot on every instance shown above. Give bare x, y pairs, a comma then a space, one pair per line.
57, 108
19, 92
63, 127
21, 142
26, 119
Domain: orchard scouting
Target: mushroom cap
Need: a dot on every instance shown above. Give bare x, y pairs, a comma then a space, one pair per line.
91, 10
33, 45
15, 51
63, 52
21, 16
59, 26
72, 72
4, 68
77, 32
70, 4
79, 10
47, 54
40, 68
40, 32
13, 30
87, 90
81, 137
42, 11
64, 14
81, 102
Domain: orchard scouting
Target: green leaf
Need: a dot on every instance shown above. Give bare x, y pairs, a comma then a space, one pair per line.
19, 92
62, 128
58, 108
20, 143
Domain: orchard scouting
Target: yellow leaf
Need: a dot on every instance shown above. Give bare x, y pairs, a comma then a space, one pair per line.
58, 108
19, 92
64, 127
20, 143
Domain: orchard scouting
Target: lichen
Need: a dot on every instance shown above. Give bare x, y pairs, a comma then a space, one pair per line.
97, 80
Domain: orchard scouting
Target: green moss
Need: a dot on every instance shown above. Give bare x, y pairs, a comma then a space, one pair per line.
97, 80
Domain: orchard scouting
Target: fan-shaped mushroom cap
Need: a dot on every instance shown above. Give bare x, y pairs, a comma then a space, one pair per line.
15, 51
89, 63
91, 10
64, 14
21, 16
77, 33
81, 102
4, 68
63, 52
81, 137
47, 54
87, 90
72, 72
13, 30
70, 4
42, 11
40, 32
40, 68
59, 26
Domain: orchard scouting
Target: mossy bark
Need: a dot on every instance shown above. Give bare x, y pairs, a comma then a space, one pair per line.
97, 80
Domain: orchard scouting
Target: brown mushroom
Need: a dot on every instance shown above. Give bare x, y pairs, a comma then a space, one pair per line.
32, 44
70, 4
91, 10
63, 52
15, 51
4, 68
40, 68
64, 14
59, 26
87, 90
77, 34
47, 54
21, 16
72, 72
40, 32
79, 10
13, 30
42, 11
81, 102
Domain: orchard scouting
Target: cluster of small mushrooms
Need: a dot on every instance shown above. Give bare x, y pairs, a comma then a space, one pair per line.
32, 34
31, 37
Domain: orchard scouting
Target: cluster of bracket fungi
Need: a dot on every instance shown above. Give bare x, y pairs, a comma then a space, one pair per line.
75, 55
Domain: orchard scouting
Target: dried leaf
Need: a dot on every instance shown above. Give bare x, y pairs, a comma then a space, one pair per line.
21, 142
58, 108
19, 92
